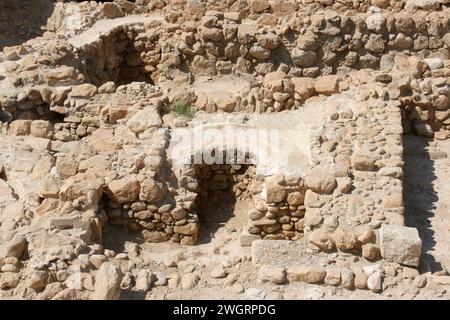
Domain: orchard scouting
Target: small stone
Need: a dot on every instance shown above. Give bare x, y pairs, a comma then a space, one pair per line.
144, 280
9, 268
122, 256
347, 279
320, 180
370, 251
420, 281
9, 280
410, 273
161, 279
124, 190
275, 192
189, 281
218, 272
375, 281
254, 293
360, 279
322, 239
273, 274
173, 281
333, 277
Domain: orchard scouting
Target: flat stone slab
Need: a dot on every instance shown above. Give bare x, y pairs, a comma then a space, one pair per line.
103, 27
277, 142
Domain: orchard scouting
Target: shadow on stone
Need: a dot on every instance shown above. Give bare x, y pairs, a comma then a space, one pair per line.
419, 195
22, 20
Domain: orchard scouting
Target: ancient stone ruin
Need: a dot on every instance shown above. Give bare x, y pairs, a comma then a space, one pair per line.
332, 180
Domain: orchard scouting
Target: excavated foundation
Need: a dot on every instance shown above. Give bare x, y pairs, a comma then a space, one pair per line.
100, 123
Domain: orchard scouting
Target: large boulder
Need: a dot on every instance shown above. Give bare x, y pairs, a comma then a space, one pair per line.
275, 192
400, 244
150, 191
321, 180
107, 282
144, 119
124, 190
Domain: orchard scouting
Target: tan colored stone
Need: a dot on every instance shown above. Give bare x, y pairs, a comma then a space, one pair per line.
322, 239
346, 240
327, 84
321, 180
307, 274
124, 190
85, 91
275, 192
107, 282
20, 127
150, 191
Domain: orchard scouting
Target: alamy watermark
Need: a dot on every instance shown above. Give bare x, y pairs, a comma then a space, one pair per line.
73, 19
271, 148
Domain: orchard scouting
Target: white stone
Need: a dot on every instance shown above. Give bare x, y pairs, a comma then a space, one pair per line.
400, 244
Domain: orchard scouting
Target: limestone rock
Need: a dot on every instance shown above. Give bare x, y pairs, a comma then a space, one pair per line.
400, 244
307, 274
273, 274
13, 248
275, 192
124, 190
189, 281
144, 119
322, 239
112, 10
381, 3
320, 180
144, 280
333, 277
9, 280
375, 281
107, 282
150, 191
259, 6
304, 87
20, 127
327, 84
346, 240
84, 91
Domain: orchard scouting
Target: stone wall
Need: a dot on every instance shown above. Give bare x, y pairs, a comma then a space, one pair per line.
290, 61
